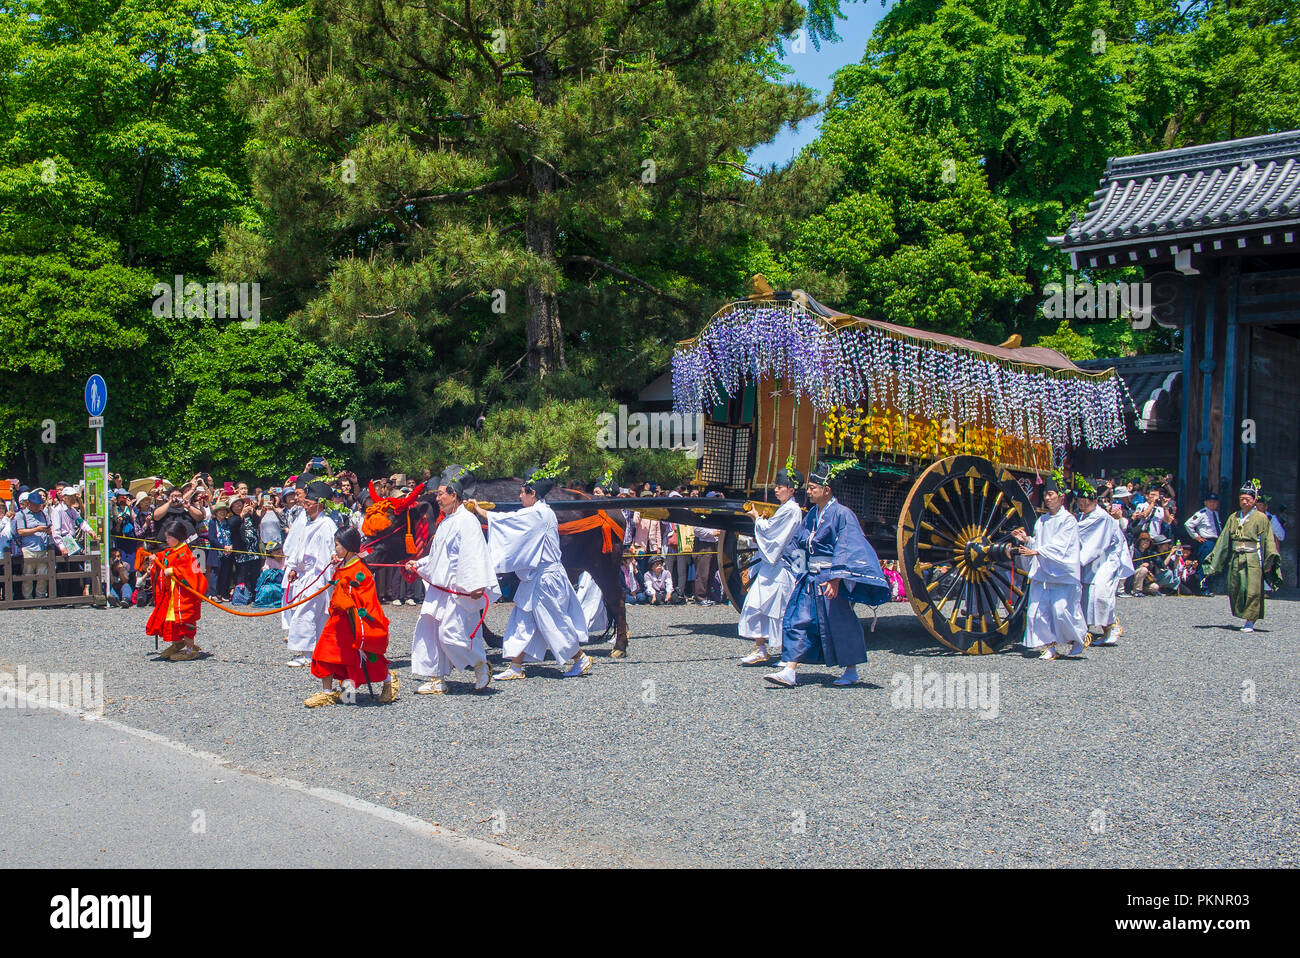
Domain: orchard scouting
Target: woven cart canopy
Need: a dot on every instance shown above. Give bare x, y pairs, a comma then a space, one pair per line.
833, 359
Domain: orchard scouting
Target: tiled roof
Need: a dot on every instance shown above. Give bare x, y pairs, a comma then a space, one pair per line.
1154, 382
1222, 187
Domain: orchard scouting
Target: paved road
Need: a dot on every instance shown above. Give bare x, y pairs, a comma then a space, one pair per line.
87, 794
1176, 748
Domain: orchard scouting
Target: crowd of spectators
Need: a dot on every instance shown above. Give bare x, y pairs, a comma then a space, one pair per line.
239, 531
1168, 547
240, 534
668, 563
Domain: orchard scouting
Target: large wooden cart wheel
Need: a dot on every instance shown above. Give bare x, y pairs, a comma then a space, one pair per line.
954, 540
736, 565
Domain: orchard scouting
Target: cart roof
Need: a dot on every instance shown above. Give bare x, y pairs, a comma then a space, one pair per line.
1023, 355
833, 359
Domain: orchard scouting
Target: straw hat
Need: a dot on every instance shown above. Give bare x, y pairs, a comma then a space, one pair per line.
146, 484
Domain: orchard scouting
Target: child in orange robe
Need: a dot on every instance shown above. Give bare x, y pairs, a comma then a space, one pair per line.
176, 611
351, 647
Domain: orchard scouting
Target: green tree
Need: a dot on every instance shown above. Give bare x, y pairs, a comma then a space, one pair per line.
263, 402
1045, 91
120, 159
541, 198
911, 225
469, 172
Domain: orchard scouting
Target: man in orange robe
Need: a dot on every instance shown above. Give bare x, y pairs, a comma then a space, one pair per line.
351, 647
176, 611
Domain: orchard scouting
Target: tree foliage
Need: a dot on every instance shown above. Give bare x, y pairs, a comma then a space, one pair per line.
912, 226
121, 158
1045, 91
549, 192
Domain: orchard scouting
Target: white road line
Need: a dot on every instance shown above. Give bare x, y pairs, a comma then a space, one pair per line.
505, 856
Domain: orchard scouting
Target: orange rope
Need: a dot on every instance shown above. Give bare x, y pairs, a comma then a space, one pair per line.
600, 520
254, 615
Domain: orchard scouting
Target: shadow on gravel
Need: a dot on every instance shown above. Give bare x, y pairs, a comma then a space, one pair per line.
1230, 628
823, 679
720, 630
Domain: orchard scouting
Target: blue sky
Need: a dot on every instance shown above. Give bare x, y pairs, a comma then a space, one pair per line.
815, 68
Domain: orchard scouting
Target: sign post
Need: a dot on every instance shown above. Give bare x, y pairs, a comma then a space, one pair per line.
94, 470
95, 474
96, 400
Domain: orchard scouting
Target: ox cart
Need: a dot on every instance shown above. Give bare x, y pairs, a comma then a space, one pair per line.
948, 438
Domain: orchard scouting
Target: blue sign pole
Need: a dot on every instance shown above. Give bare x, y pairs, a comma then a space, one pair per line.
96, 401
96, 467
96, 395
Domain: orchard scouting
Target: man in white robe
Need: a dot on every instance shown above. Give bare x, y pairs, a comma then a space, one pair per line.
547, 614
1055, 620
1104, 562
1279, 531
593, 604
772, 580
458, 574
308, 554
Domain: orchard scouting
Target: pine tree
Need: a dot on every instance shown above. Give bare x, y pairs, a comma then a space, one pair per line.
466, 173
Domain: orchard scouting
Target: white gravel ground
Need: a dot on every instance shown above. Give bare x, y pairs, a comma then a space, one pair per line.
1176, 748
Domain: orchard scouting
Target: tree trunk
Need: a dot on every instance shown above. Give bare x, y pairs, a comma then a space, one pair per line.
545, 338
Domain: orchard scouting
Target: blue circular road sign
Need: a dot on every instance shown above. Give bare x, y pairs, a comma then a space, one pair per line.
96, 395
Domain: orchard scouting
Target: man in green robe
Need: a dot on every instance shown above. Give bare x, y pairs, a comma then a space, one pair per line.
1248, 554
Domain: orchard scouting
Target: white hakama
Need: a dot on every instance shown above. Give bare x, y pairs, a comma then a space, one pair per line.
1055, 592
547, 612
458, 560
772, 581
308, 550
593, 604
1105, 562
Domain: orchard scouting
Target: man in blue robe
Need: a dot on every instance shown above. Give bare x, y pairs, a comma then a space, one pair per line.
836, 567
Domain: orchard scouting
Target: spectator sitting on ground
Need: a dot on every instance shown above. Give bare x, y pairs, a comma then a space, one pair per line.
120, 589
659, 584
1150, 570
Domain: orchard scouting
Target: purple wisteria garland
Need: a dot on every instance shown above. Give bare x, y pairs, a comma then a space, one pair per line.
835, 368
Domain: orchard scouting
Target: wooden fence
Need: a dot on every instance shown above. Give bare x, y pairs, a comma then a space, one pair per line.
57, 569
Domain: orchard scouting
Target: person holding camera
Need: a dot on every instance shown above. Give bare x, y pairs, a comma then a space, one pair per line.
1149, 517
180, 505
269, 531
119, 593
